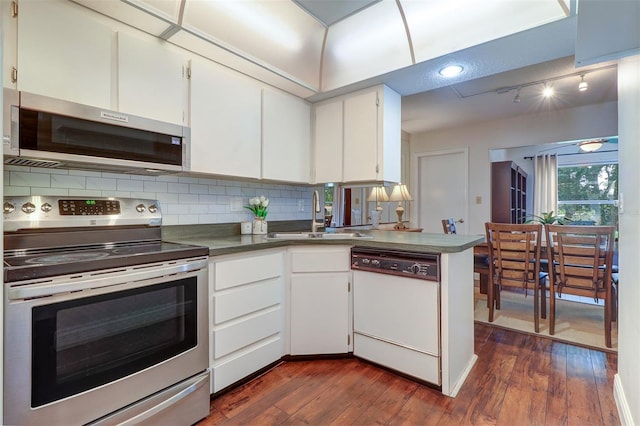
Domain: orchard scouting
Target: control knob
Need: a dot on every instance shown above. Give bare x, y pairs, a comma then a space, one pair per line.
28, 207
140, 208
415, 268
153, 208
46, 207
8, 208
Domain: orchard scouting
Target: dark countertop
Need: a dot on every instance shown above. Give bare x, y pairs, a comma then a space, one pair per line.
410, 241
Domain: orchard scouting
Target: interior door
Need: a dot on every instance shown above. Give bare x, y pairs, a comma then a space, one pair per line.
443, 189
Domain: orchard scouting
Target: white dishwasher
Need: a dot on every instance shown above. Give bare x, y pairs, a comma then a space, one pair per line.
396, 311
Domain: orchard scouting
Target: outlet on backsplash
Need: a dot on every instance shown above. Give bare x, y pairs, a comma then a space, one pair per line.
300, 205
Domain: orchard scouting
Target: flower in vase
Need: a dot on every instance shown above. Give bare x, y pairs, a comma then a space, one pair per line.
258, 206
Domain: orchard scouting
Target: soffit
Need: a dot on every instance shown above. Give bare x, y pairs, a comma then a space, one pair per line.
311, 47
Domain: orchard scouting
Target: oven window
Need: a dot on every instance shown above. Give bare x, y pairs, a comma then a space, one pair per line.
84, 343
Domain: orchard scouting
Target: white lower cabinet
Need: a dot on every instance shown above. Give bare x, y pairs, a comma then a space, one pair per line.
320, 300
246, 315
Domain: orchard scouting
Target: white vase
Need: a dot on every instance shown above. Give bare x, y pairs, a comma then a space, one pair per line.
259, 226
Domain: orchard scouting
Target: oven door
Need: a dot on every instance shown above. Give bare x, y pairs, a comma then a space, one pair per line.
83, 346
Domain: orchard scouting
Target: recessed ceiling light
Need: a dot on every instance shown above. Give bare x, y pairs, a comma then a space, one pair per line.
451, 70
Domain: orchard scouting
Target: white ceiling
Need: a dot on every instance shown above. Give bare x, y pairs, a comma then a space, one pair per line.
316, 49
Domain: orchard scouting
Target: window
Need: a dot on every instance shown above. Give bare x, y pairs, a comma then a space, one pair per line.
588, 194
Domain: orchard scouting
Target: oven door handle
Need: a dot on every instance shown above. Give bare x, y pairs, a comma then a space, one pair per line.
92, 280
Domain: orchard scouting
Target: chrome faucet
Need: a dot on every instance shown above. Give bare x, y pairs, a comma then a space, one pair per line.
315, 206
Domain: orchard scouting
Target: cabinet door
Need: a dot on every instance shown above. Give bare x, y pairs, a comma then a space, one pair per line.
361, 144
64, 52
151, 79
319, 313
286, 137
328, 138
225, 121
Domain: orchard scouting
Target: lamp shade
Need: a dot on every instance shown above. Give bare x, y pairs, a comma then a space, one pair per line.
378, 194
400, 193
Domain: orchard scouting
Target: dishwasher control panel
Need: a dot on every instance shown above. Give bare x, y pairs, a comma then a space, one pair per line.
424, 266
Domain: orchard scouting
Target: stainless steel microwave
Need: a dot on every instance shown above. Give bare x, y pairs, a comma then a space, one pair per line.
44, 132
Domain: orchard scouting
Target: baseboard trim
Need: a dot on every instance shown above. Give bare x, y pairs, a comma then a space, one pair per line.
624, 411
458, 384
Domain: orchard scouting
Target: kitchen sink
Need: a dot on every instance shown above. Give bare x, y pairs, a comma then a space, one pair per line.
315, 235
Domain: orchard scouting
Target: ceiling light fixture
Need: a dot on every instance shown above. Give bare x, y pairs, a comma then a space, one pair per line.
451, 71
591, 146
516, 99
583, 86
547, 92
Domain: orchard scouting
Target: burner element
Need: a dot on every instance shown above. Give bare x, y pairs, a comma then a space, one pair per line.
66, 257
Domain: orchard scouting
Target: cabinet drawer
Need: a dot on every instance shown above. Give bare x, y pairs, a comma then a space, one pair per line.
321, 259
235, 272
231, 338
242, 364
247, 299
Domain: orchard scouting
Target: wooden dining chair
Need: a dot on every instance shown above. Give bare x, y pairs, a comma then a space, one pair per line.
449, 226
580, 262
514, 251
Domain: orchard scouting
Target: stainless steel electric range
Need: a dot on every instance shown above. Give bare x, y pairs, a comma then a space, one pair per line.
104, 322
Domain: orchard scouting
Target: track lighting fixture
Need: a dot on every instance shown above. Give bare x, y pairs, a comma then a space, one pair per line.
583, 86
516, 99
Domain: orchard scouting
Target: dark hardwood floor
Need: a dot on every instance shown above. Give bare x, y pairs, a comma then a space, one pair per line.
519, 379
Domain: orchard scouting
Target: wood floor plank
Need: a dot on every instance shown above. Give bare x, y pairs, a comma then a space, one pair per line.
518, 379
425, 407
604, 368
313, 382
583, 406
556, 408
388, 403
329, 405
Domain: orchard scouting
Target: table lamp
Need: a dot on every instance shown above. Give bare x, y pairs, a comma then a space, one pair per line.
400, 193
378, 194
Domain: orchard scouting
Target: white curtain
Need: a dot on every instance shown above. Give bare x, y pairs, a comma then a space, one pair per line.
545, 184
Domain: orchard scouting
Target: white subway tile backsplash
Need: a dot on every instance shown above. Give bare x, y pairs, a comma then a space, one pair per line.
198, 189
155, 186
183, 200
129, 185
30, 179
178, 188
101, 184
70, 182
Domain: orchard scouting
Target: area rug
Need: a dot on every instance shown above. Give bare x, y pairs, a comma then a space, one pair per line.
576, 323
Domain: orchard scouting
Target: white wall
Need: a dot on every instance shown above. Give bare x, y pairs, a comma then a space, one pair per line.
627, 382
184, 200
591, 121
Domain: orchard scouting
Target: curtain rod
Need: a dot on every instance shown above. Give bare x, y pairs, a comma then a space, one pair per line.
575, 153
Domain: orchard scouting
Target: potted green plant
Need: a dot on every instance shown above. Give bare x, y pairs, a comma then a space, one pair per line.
548, 219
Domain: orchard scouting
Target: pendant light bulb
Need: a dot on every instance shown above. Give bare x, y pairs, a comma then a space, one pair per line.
583, 86
516, 99
547, 92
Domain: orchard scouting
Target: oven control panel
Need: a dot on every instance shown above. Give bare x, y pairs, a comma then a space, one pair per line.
407, 264
33, 212
88, 207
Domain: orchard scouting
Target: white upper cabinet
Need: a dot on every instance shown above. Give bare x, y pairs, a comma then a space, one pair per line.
358, 137
286, 137
372, 136
151, 79
225, 121
64, 52
328, 137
